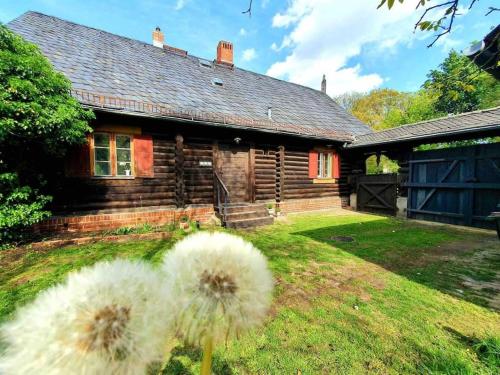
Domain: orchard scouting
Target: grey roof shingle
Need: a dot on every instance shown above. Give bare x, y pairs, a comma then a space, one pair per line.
487, 119
113, 66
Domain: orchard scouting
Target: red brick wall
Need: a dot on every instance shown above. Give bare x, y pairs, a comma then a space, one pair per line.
312, 204
98, 222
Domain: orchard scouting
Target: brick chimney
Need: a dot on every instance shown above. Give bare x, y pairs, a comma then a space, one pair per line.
225, 53
158, 37
323, 85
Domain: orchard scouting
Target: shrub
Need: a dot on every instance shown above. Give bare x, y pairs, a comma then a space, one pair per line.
39, 121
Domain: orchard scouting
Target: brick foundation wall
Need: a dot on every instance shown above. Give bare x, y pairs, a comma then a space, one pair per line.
298, 205
107, 221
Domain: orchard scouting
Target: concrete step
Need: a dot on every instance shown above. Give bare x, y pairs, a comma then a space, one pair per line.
238, 208
250, 223
245, 215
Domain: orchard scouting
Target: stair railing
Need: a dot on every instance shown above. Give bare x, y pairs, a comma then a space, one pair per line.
222, 196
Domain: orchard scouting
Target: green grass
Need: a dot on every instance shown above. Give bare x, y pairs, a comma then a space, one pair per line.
400, 298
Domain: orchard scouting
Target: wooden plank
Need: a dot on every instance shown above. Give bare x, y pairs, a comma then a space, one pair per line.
280, 173
179, 171
251, 173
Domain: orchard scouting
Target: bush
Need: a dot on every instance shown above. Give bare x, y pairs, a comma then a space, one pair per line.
39, 120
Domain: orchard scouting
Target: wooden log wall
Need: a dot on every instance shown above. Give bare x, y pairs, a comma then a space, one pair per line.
297, 184
265, 174
90, 194
198, 173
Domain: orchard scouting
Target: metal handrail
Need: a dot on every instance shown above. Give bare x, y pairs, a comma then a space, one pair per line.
222, 194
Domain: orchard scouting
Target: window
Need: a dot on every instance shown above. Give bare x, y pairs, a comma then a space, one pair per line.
123, 156
102, 154
324, 165
112, 155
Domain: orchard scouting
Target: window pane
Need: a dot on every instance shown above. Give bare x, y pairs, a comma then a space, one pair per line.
329, 166
319, 164
122, 155
123, 169
102, 154
102, 168
122, 141
101, 140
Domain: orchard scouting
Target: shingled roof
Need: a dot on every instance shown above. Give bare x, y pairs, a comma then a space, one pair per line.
470, 122
121, 74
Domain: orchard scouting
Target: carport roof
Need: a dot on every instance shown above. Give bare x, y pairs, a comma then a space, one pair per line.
479, 122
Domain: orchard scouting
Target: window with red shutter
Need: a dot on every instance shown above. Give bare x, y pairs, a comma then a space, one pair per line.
143, 155
78, 161
313, 164
336, 165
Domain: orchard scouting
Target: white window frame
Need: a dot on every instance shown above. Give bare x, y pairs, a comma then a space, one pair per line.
131, 162
109, 161
325, 157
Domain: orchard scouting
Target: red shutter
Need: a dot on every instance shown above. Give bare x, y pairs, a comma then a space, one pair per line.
336, 165
143, 155
313, 164
78, 161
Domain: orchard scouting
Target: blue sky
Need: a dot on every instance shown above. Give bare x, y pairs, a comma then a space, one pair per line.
355, 45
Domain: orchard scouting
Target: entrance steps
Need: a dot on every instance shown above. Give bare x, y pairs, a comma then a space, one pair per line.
246, 215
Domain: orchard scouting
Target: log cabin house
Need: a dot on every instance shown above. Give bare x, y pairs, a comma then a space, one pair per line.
178, 135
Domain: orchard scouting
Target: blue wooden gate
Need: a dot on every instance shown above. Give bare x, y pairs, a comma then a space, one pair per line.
455, 185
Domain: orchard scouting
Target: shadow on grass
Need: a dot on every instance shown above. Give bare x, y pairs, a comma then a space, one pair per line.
437, 257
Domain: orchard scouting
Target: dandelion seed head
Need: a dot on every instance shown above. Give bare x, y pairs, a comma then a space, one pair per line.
222, 284
113, 318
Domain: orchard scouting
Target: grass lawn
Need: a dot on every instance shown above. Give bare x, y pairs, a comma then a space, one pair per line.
400, 298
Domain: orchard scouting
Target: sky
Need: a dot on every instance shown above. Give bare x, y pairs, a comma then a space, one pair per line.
356, 46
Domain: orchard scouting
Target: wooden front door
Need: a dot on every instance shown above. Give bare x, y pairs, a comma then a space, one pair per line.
233, 166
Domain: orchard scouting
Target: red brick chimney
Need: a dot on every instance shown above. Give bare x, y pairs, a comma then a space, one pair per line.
158, 37
225, 53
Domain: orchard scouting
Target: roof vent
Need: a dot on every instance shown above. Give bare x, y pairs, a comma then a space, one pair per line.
205, 63
270, 113
217, 82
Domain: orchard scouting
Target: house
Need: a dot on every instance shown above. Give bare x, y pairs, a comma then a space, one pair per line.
178, 135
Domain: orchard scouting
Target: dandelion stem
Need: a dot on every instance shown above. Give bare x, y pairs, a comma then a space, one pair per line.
206, 364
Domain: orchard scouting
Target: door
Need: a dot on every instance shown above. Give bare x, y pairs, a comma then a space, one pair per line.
234, 169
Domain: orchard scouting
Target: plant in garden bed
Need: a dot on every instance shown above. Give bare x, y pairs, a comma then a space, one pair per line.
121, 317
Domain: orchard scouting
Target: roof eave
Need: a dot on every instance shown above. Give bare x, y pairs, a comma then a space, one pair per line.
487, 128
209, 123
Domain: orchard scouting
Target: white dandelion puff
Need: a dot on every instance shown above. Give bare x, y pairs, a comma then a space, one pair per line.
111, 318
222, 283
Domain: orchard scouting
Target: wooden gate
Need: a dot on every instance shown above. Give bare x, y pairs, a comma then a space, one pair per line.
377, 193
456, 185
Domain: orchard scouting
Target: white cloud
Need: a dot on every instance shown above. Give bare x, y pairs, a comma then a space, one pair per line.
243, 32
324, 34
249, 54
180, 4
274, 47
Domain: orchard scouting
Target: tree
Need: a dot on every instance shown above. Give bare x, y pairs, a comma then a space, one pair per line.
440, 22
348, 99
39, 120
373, 108
460, 86
419, 106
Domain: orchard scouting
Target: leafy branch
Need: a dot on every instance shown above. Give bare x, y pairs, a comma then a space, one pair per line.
444, 24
